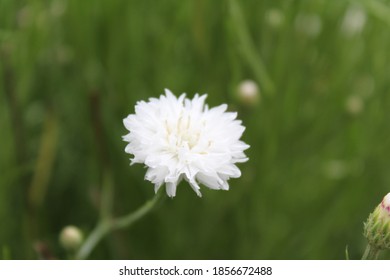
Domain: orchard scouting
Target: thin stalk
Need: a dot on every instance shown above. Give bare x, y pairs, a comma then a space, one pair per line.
129, 219
105, 226
371, 253
248, 49
106, 200
94, 97
93, 239
45, 161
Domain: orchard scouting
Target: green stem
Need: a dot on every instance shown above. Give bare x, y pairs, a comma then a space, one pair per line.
93, 239
107, 195
371, 253
128, 220
248, 49
105, 226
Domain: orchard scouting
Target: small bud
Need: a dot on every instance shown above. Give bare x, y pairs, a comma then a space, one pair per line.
336, 169
354, 21
71, 238
275, 18
377, 227
57, 8
354, 105
248, 92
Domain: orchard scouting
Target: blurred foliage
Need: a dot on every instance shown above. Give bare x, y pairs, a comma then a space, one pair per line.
70, 71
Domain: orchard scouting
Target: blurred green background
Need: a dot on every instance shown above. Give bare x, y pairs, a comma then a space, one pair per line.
70, 71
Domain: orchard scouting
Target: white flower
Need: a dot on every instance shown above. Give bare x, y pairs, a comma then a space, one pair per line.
180, 138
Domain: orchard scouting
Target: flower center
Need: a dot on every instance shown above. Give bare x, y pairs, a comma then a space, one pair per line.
183, 133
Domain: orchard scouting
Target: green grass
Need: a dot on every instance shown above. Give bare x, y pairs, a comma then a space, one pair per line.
70, 71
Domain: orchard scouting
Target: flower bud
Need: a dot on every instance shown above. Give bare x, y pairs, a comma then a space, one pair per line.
354, 21
377, 227
354, 104
71, 238
248, 92
274, 17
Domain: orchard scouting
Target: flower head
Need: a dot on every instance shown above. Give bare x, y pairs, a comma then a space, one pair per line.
377, 227
180, 138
